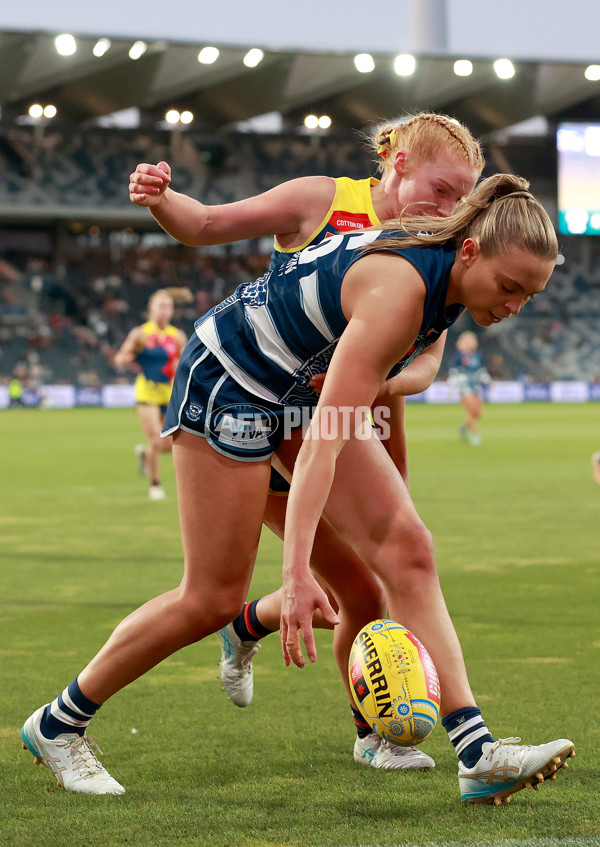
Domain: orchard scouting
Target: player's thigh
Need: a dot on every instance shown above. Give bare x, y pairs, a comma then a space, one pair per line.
221, 505
369, 504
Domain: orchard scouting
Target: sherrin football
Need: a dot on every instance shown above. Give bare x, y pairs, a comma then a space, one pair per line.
394, 682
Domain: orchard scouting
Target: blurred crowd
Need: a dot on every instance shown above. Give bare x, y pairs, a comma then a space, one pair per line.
66, 304
64, 323
49, 167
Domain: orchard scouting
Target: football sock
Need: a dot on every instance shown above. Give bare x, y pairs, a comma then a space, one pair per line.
468, 733
247, 625
362, 727
70, 712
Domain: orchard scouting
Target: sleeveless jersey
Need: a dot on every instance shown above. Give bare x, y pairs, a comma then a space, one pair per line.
159, 357
274, 334
468, 363
158, 361
351, 209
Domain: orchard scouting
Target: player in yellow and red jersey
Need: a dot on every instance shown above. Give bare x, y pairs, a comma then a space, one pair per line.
155, 347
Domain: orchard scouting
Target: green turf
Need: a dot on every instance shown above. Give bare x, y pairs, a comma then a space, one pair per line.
515, 523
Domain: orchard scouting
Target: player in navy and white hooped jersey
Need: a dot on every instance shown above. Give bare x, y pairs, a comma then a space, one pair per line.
273, 335
467, 371
378, 304
427, 163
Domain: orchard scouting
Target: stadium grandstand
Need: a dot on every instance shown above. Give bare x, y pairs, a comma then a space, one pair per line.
78, 261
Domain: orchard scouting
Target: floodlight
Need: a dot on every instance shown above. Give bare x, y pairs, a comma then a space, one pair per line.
208, 55
137, 49
504, 69
364, 63
65, 44
253, 57
405, 64
463, 67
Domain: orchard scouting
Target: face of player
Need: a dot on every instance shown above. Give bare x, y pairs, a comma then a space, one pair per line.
161, 310
494, 288
433, 187
468, 344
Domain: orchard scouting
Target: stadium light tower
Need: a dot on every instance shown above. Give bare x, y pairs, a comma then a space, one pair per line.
427, 26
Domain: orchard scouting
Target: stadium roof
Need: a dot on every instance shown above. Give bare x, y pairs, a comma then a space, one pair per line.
85, 88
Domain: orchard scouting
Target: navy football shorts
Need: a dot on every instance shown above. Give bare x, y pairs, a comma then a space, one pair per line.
207, 401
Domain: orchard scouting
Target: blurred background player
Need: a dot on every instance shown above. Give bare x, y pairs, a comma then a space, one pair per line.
427, 163
469, 374
596, 466
155, 348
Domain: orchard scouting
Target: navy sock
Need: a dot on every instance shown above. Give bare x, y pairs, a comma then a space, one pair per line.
362, 727
468, 733
247, 625
70, 712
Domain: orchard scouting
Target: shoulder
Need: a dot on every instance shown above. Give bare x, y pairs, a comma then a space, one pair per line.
314, 188
386, 276
139, 331
432, 257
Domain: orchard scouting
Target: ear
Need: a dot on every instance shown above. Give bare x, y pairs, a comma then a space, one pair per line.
400, 162
469, 251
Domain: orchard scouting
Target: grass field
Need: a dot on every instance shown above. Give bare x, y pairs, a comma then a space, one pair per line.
516, 528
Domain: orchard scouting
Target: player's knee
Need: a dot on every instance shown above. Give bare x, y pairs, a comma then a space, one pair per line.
209, 610
406, 553
155, 443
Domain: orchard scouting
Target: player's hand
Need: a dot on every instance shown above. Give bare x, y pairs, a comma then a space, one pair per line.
301, 599
316, 383
148, 183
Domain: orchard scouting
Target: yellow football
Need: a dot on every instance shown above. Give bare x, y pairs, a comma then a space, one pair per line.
394, 682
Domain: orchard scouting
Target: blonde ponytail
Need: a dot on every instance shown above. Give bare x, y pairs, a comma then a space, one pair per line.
500, 212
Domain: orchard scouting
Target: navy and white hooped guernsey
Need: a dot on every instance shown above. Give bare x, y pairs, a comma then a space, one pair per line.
274, 334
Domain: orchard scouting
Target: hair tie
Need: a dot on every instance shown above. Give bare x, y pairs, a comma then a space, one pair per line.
387, 140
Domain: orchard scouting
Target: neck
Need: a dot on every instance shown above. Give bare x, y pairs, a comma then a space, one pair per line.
385, 197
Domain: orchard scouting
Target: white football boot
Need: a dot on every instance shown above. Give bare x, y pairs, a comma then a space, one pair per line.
237, 676
506, 766
156, 492
70, 758
374, 751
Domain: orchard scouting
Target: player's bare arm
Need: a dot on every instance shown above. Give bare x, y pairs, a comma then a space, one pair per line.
292, 210
378, 292
419, 375
132, 345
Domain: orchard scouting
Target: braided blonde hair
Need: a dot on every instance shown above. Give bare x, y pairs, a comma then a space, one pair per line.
425, 135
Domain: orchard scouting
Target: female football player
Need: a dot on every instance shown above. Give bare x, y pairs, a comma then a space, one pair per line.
427, 163
154, 347
469, 374
359, 306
